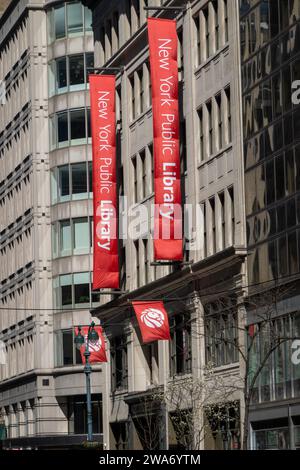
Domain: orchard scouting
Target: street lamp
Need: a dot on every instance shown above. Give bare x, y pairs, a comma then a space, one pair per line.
92, 337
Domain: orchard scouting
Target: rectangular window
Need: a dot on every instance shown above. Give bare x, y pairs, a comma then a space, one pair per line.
61, 75
74, 18
89, 64
68, 345
81, 235
212, 224
180, 345
79, 181
226, 20
222, 235
62, 129
143, 173
119, 366
88, 19
201, 134
198, 40
146, 261
66, 290
60, 22
228, 105
82, 288
219, 143
77, 414
137, 263
221, 337
78, 127
140, 90
135, 186
76, 71
65, 238
64, 183
132, 97
209, 146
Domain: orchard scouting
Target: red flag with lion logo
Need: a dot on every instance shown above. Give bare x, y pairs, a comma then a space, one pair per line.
153, 320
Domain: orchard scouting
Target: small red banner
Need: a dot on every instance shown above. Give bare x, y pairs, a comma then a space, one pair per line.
167, 188
103, 124
153, 320
97, 349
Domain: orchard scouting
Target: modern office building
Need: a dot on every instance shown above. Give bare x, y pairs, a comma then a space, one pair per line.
270, 61
212, 178
46, 49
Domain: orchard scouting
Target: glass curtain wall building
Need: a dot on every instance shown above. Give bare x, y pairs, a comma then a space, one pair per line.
270, 63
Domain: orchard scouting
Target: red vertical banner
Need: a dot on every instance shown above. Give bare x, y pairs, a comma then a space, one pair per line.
103, 124
164, 80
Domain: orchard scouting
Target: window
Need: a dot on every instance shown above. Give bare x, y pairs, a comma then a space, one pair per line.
219, 133
65, 238
140, 88
71, 237
66, 351
132, 95
66, 290
81, 288
70, 182
74, 18
119, 366
61, 74
79, 180
64, 182
70, 73
280, 378
78, 125
72, 290
62, 129
198, 40
60, 22
143, 173
69, 18
137, 263
231, 215
81, 235
212, 225
222, 234
76, 70
221, 334
135, 187
228, 107
88, 19
180, 345
89, 64
74, 124
201, 135
209, 144
77, 414
146, 261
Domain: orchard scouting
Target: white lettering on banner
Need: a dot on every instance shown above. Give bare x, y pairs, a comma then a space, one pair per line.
164, 53
103, 104
104, 229
167, 208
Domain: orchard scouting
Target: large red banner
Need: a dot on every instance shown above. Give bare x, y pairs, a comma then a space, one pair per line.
97, 349
153, 320
103, 124
164, 79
